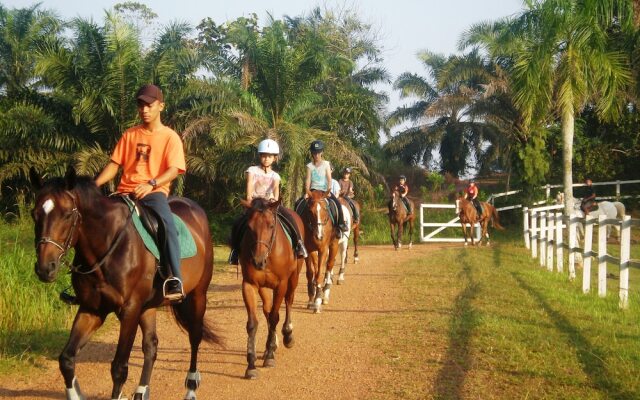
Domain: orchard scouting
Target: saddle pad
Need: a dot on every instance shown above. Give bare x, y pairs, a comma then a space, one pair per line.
331, 208
286, 232
187, 244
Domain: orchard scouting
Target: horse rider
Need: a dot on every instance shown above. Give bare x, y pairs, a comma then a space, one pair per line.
471, 193
319, 178
263, 182
589, 198
403, 189
346, 192
151, 156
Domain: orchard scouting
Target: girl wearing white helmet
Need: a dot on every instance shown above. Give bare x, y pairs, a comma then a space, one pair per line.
263, 182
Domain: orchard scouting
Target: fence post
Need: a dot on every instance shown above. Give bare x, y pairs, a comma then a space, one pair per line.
617, 190
625, 249
559, 242
571, 222
602, 256
547, 188
534, 234
586, 254
525, 227
550, 240
543, 238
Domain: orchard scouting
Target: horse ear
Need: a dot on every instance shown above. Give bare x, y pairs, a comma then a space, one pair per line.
36, 179
245, 203
275, 204
70, 177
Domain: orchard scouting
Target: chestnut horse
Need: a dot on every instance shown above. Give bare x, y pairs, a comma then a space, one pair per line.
355, 226
268, 262
469, 215
113, 272
322, 244
398, 218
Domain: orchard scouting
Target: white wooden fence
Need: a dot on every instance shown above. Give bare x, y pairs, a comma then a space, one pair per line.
544, 234
453, 223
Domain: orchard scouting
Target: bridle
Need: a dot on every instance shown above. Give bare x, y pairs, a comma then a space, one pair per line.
67, 243
272, 240
318, 224
64, 248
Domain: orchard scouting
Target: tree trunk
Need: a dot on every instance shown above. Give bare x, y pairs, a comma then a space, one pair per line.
568, 123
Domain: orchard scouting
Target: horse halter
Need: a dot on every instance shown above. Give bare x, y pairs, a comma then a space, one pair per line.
318, 223
64, 248
272, 240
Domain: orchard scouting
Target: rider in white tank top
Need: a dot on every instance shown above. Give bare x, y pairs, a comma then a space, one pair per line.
264, 183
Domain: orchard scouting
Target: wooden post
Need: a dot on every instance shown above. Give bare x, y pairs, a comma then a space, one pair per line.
543, 238
534, 234
525, 227
617, 190
625, 249
550, 240
586, 254
572, 244
559, 242
547, 191
602, 256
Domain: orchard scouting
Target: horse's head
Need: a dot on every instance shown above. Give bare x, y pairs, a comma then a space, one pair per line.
56, 218
318, 212
262, 225
395, 198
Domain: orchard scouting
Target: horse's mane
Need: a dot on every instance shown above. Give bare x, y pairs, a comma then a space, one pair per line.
84, 186
260, 205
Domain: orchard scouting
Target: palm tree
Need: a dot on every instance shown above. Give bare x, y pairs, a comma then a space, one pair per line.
441, 115
563, 58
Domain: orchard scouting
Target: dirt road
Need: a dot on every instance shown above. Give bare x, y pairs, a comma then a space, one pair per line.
333, 357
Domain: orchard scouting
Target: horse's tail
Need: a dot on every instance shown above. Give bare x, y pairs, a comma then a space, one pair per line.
620, 209
495, 220
183, 317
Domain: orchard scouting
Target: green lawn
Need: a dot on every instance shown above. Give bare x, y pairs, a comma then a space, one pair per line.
489, 323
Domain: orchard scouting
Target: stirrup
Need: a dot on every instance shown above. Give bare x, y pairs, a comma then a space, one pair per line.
172, 296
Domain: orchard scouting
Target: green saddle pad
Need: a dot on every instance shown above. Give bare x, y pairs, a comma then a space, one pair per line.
187, 244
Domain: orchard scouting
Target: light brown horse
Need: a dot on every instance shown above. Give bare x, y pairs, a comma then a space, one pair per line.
268, 262
322, 244
469, 215
398, 218
355, 226
112, 271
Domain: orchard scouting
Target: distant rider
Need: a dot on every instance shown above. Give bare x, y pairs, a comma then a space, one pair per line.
589, 199
403, 189
472, 194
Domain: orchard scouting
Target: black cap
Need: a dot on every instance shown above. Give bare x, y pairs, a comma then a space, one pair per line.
316, 146
149, 94
403, 177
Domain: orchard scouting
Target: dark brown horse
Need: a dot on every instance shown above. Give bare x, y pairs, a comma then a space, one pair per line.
398, 218
268, 262
113, 272
469, 215
322, 245
355, 226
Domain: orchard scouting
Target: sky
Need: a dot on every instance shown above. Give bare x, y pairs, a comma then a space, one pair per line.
405, 26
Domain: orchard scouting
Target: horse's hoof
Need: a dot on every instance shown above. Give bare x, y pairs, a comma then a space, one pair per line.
288, 341
310, 305
269, 363
355, 260
190, 395
325, 301
251, 374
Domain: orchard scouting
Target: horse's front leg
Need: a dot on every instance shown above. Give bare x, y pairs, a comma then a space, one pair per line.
129, 320
287, 327
322, 261
393, 235
84, 325
311, 262
272, 320
400, 229
328, 275
485, 232
464, 232
150, 351
356, 239
250, 302
410, 233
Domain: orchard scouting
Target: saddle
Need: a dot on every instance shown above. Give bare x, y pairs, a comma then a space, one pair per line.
152, 232
301, 204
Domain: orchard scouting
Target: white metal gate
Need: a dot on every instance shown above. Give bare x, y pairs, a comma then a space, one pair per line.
454, 223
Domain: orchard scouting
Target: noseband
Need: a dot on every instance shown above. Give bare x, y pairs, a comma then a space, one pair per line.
64, 248
271, 242
311, 224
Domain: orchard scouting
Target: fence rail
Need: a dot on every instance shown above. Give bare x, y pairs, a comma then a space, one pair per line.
544, 232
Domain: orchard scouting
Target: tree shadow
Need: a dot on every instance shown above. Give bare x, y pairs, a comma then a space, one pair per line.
591, 359
457, 362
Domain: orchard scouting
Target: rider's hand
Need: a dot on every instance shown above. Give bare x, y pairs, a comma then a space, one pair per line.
142, 190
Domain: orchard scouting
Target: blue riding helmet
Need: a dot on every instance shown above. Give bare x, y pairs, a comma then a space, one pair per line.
403, 177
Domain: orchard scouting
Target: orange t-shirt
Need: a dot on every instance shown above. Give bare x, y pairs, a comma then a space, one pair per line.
144, 155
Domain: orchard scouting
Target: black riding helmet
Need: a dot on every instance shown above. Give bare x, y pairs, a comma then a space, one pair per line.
316, 146
403, 177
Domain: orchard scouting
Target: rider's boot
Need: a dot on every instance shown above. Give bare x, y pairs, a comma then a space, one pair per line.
173, 290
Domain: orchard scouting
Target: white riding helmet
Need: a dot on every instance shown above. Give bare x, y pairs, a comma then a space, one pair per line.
269, 146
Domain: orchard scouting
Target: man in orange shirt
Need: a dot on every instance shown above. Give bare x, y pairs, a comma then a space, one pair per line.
151, 155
